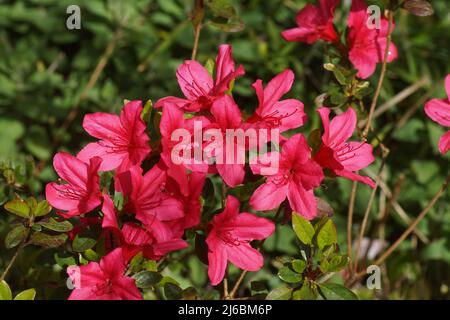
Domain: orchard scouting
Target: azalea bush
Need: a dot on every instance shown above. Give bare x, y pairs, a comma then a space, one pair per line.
219, 150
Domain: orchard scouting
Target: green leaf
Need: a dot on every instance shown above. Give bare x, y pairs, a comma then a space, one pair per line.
327, 235
172, 291
16, 236
46, 240
58, 226
303, 228
281, 293
29, 294
81, 244
43, 208
18, 207
304, 293
298, 265
147, 279
5, 291
334, 291
287, 275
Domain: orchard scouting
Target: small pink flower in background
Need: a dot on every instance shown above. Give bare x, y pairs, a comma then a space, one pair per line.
199, 88
104, 280
314, 23
81, 194
148, 197
438, 110
123, 141
336, 153
296, 178
367, 46
230, 237
273, 113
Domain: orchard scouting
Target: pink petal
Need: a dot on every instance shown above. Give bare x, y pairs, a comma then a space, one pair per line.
172, 118
250, 227
217, 260
295, 150
224, 62
358, 157
111, 160
439, 111
447, 86
113, 264
268, 196
277, 87
109, 213
291, 112
355, 177
444, 143
226, 112
104, 126
303, 202
179, 102
245, 257
342, 127
232, 174
71, 169
194, 80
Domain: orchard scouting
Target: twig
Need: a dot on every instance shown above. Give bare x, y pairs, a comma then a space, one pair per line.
367, 212
351, 208
409, 230
199, 13
13, 260
382, 75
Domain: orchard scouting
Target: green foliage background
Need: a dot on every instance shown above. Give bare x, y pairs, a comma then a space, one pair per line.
44, 69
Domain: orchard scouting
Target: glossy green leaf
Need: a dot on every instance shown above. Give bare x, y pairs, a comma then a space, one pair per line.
282, 293
18, 207
29, 294
15, 236
327, 235
303, 228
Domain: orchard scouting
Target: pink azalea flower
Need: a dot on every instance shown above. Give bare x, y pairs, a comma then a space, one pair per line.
198, 86
295, 178
148, 197
438, 110
338, 155
81, 194
104, 280
172, 119
272, 113
123, 141
191, 203
153, 245
228, 116
314, 23
230, 237
367, 46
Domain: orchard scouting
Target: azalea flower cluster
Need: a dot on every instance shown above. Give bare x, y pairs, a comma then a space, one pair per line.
164, 201
365, 44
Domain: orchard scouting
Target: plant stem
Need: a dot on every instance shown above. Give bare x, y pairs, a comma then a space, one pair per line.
13, 259
198, 15
409, 230
382, 75
351, 208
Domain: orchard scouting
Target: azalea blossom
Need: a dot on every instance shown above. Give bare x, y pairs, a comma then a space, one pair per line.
123, 141
81, 194
197, 85
228, 116
104, 280
314, 23
367, 46
148, 198
153, 245
338, 155
172, 121
229, 240
273, 113
439, 111
296, 178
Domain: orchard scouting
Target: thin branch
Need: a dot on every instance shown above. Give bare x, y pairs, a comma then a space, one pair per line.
13, 260
198, 15
351, 208
382, 75
409, 230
